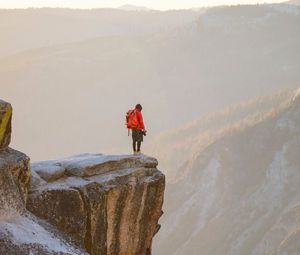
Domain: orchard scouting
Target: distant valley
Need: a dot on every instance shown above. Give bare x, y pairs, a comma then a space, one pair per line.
63, 69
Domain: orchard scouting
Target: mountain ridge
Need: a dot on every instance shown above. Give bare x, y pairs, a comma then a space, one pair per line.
293, 2
202, 132
251, 171
129, 7
94, 70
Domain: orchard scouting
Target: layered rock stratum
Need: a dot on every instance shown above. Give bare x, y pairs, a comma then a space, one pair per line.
85, 204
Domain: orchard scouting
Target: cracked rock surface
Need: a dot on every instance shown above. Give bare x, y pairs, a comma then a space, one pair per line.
106, 204
22, 233
85, 204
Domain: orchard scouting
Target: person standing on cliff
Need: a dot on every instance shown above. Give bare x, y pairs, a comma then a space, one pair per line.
135, 122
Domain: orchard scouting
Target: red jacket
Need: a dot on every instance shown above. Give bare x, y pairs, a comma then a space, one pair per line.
139, 116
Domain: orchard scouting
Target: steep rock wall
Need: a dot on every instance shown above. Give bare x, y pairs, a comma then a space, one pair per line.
5, 123
107, 204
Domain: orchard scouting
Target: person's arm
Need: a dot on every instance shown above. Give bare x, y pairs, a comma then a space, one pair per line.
141, 121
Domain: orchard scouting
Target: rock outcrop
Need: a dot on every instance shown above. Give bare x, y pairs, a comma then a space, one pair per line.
18, 165
107, 204
22, 233
86, 204
25, 234
11, 197
5, 123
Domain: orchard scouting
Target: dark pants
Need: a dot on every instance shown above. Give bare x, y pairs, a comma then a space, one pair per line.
137, 138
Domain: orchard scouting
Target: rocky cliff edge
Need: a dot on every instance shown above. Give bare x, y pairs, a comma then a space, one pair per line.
85, 204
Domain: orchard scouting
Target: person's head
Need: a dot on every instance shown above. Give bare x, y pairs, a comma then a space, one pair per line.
138, 107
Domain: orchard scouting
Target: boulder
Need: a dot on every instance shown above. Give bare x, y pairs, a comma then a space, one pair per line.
5, 124
36, 180
11, 199
19, 165
48, 171
62, 207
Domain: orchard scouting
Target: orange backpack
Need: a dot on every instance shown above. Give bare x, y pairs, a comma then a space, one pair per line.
131, 119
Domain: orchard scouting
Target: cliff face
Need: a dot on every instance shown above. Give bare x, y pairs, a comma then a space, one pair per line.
86, 204
108, 204
22, 233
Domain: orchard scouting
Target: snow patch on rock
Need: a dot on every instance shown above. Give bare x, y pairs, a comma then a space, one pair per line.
85, 165
25, 230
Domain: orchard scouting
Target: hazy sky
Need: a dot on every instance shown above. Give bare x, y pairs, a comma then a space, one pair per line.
155, 4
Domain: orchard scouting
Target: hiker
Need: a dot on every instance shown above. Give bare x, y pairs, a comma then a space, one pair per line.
134, 121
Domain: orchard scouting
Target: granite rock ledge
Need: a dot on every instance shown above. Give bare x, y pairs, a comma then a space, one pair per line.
106, 204
85, 204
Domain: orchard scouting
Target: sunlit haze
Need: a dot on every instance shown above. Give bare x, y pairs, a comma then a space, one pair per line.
130, 125
154, 4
